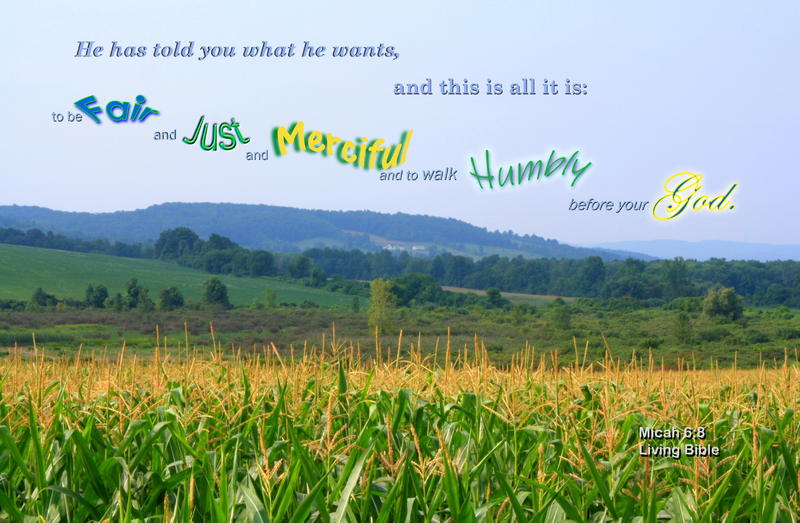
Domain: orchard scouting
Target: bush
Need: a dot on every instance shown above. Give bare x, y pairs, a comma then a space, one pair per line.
754, 336
687, 304
788, 333
170, 299
713, 333
12, 305
723, 303
651, 343
216, 293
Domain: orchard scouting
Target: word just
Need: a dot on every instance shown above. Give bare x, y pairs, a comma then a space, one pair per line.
117, 111
225, 131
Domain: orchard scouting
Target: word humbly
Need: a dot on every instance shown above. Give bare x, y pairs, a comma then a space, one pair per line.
527, 172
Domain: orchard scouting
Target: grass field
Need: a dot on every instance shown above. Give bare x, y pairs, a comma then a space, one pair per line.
331, 433
67, 274
538, 300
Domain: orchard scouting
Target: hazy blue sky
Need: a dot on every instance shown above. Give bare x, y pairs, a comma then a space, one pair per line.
708, 87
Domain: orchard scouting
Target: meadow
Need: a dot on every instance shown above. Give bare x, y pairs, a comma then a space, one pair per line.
760, 336
400, 431
66, 274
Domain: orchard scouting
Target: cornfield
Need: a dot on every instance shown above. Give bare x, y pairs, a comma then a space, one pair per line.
328, 433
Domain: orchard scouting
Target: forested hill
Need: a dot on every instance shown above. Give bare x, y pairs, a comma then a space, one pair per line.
287, 229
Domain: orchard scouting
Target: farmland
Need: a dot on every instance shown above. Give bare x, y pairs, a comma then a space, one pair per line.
337, 432
67, 274
289, 405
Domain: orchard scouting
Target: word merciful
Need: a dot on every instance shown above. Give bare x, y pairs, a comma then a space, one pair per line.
682, 193
364, 153
526, 172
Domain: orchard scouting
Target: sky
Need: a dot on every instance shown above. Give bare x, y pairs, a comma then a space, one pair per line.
702, 87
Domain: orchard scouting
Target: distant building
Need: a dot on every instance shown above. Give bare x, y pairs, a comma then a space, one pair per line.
418, 249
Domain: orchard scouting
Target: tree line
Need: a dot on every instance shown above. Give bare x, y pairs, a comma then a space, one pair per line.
134, 296
50, 240
760, 283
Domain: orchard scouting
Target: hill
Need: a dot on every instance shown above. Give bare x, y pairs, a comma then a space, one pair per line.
67, 274
287, 229
707, 249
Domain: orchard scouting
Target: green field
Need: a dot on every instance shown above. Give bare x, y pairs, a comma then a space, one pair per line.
67, 274
537, 300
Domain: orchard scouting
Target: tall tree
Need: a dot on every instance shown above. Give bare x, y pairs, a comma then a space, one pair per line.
682, 328
382, 302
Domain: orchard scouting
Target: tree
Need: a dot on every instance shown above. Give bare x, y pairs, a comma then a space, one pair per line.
632, 267
217, 262
682, 328
117, 302
632, 286
317, 278
560, 315
777, 294
216, 293
519, 311
724, 303
89, 300
219, 243
592, 276
495, 299
240, 262
170, 299
41, 300
300, 267
96, 296
262, 263
136, 296
384, 264
415, 289
382, 302
269, 299
675, 273
175, 243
